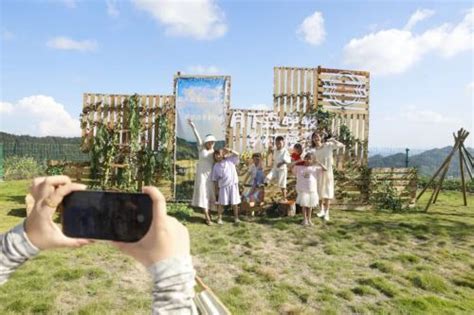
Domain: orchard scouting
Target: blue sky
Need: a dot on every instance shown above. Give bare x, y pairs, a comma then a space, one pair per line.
421, 71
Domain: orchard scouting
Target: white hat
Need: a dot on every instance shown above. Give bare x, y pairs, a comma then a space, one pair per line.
210, 138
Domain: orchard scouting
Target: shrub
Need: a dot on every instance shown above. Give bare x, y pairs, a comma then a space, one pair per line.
180, 211
385, 197
55, 170
21, 167
448, 184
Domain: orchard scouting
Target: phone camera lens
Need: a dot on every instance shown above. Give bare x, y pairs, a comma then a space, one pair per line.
140, 218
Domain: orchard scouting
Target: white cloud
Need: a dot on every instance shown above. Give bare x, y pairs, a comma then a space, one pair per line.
199, 69
470, 87
7, 35
65, 43
413, 114
312, 29
112, 9
416, 127
6, 107
255, 107
394, 51
199, 19
38, 115
205, 98
418, 16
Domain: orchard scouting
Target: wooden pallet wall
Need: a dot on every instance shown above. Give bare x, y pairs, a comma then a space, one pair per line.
353, 193
111, 109
293, 89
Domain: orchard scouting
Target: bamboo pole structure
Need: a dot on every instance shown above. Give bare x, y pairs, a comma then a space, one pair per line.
443, 169
468, 165
461, 165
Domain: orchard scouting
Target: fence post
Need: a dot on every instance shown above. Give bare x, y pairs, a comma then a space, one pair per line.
406, 157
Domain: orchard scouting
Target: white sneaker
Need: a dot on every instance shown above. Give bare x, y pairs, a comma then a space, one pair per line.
326, 216
321, 214
304, 223
220, 221
236, 221
310, 223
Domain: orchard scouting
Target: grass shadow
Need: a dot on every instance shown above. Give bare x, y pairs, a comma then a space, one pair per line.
457, 214
426, 227
18, 212
18, 198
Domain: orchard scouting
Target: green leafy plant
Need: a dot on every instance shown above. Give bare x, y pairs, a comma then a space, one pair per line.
21, 167
323, 117
385, 197
102, 153
55, 170
131, 163
180, 211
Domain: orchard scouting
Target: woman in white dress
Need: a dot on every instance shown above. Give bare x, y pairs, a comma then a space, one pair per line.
204, 195
323, 153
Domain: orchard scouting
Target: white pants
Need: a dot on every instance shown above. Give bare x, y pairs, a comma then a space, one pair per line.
277, 175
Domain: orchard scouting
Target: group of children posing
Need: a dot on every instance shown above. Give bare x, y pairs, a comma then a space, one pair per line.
217, 183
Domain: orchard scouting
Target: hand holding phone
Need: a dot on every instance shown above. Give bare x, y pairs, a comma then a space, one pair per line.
166, 238
48, 192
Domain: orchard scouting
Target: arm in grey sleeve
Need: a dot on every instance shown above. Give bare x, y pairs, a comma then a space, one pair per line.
173, 286
15, 249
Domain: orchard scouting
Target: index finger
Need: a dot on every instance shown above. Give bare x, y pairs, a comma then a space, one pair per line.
159, 203
57, 180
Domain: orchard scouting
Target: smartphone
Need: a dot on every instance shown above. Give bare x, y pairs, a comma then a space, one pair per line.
116, 216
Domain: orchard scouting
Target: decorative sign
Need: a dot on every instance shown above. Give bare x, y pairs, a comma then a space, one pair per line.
204, 100
343, 89
263, 126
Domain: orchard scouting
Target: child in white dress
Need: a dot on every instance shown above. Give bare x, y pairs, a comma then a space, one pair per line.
225, 177
323, 152
306, 186
203, 193
279, 172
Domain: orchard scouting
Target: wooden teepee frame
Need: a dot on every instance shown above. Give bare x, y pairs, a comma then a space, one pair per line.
465, 160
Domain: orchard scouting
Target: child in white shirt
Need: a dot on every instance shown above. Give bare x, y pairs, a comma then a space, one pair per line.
279, 172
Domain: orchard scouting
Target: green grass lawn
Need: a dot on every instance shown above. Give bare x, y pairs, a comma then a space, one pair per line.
361, 262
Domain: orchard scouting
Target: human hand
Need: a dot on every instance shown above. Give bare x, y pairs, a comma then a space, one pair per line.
190, 122
48, 193
166, 237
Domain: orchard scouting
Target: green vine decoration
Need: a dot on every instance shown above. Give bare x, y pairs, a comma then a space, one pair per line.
129, 165
323, 117
104, 148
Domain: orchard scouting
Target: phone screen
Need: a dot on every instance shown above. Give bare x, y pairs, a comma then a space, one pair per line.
116, 216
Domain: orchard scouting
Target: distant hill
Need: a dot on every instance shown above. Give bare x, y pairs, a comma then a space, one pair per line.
186, 150
7, 137
426, 162
59, 148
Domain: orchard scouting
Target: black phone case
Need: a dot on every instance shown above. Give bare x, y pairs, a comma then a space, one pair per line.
124, 217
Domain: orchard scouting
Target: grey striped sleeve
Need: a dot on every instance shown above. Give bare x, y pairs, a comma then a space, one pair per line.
15, 249
173, 286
